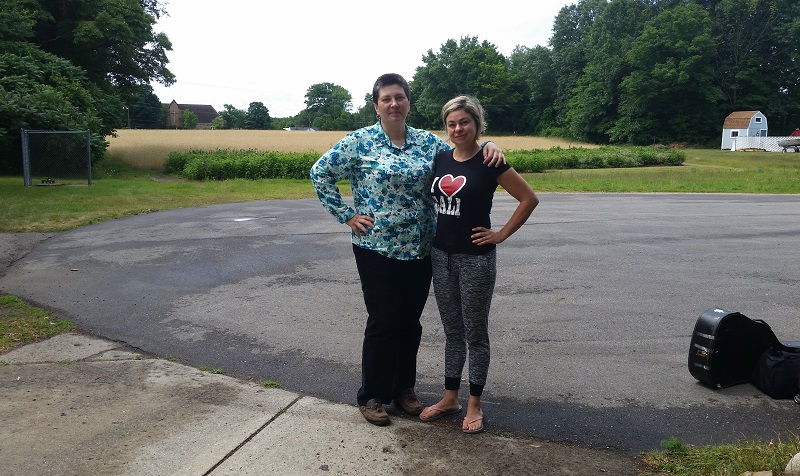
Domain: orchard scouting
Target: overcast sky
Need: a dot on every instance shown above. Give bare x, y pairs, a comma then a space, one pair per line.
241, 51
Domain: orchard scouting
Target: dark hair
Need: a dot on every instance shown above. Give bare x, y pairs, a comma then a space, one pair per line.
389, 79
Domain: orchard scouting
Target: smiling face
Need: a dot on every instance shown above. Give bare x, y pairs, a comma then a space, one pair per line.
393, 105
461, 128
463, 118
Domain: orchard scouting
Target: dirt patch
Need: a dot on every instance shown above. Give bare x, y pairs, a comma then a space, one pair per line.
442, 449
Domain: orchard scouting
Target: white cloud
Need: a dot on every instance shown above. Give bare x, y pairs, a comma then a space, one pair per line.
240, 51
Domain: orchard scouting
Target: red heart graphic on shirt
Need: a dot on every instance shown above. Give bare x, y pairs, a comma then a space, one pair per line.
450, 185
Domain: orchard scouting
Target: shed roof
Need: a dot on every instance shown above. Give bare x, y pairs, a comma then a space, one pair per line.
739, 119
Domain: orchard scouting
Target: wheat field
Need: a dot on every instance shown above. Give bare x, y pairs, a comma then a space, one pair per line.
149, 148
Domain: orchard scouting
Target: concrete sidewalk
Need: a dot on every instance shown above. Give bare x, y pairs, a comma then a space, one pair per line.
76, 405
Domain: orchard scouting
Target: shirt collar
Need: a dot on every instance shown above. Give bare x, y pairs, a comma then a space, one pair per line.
412, 137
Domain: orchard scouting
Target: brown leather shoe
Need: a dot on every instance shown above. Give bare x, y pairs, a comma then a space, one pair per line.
374, 412
408, 401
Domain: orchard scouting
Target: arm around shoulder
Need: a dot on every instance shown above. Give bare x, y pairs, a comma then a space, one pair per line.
492, 154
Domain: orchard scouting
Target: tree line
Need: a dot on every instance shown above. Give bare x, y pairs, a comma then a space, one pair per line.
613, 72
644, 71
629, 72
329, 107
76, 65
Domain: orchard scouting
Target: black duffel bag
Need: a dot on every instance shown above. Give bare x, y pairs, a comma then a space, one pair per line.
778, 371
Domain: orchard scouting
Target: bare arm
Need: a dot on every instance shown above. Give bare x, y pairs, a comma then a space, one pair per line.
492, 155
518, 188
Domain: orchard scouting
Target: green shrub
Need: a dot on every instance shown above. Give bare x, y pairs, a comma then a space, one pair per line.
527, 161
176, 162
255, 165
248, 164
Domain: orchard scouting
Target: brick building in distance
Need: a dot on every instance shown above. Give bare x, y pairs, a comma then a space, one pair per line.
204, 112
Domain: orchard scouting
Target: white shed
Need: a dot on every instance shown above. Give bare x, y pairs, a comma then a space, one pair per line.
743, 124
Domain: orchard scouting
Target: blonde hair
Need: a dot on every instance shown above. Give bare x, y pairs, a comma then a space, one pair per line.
472, 106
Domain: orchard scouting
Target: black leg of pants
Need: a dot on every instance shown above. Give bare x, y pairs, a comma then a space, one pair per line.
395, 292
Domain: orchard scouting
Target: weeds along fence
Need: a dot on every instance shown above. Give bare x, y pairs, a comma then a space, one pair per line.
254, 165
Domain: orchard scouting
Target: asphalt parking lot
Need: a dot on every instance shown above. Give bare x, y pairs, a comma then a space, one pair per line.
596, 299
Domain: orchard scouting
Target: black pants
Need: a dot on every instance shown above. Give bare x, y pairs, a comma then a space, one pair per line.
395, 292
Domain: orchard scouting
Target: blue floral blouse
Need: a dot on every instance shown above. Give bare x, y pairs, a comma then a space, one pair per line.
389, 183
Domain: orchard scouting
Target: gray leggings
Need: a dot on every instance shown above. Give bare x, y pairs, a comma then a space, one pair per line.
463, 285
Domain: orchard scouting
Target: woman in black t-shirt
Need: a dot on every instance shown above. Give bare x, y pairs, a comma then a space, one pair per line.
464, 255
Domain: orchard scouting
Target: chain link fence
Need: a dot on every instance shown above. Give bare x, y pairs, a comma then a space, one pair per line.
56, 157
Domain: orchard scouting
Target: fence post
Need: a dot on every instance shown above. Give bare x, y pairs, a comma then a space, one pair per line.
89, 155
26, 166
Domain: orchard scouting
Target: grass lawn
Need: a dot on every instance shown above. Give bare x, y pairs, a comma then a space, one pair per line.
21, 323
119, 190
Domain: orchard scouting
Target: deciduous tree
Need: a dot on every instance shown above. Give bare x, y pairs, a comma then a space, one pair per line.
468, 67
189, 119
328, 107
569, 51
257, 117
535, 67
365, 116
756, 66
592, 110
234, 118
76, 64
39, 90
670, 94
112, 40
147, 113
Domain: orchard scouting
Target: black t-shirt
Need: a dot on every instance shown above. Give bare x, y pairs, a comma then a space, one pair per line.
463, 192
